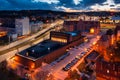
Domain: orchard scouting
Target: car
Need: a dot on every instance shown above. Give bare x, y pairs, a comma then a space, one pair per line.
83, 53
78, 56
58, 60
53, 63
67, 54
67, 67
74, 60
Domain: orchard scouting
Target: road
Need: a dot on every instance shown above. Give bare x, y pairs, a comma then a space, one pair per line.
5, 54
18, 42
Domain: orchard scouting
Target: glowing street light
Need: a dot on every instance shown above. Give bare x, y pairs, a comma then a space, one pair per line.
94, 43
108, 71
92, 30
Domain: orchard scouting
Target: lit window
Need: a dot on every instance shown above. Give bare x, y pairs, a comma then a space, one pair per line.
33, 66
108, 71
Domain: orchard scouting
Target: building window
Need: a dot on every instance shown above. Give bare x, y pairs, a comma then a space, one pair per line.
59, 40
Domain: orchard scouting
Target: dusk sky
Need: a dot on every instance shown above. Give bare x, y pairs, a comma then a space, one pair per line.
60, 5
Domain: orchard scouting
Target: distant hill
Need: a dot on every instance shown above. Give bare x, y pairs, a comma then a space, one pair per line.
49, 12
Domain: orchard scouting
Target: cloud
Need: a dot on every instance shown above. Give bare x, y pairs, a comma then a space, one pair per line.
117, 1
108, 5
62, 5
47, 1
26, 4
76, 2
79, 4
91, 2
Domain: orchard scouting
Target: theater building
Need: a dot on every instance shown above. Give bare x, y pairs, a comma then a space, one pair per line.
48, 50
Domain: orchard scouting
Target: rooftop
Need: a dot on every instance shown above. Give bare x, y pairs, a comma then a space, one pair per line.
115, 18
93, 55
41, 49
74, 33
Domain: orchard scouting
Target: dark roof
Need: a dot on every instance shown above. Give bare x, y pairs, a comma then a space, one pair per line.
73, 33
41, 49
93, 55
115, 18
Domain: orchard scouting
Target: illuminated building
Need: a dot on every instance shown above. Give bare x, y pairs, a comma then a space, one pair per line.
107, 70
70, 25
65, 37
3, 33
110, 20
83, 26
117, 33
35, 26
116, 19
104, 41
89, 18
106, 23
19, 26
48, 50
86, 26
22, 26
110, 35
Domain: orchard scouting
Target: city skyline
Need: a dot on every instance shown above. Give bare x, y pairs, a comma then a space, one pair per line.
43, 44
60, 5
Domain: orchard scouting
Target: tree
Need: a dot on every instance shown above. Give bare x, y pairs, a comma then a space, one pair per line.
81, 67
44, 75
72, 75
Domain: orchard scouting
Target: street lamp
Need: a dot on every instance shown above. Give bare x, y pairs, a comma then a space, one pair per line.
48, 48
